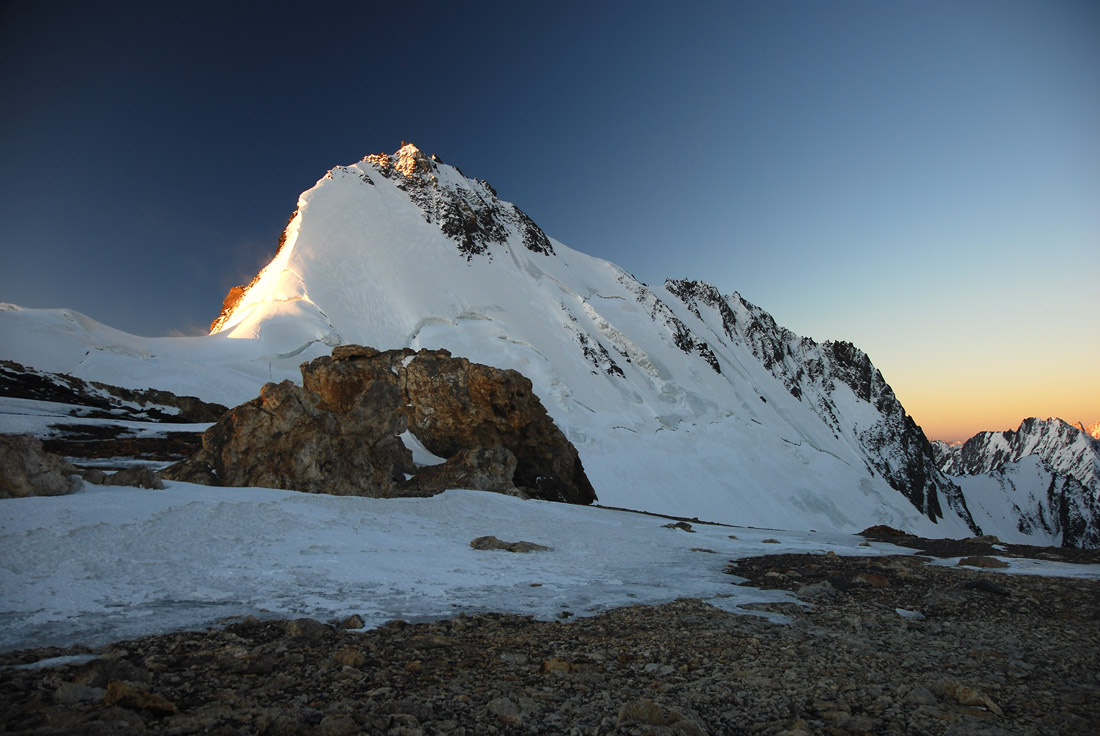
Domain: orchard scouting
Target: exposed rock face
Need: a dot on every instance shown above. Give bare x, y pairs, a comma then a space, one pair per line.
483, 468
472, 215
893, 447
338, 432
289, 438
1063, 498
28, 470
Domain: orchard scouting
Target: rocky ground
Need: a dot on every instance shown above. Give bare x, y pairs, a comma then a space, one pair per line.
887, 645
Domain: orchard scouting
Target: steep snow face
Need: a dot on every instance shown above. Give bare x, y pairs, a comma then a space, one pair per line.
836, 382
1045, 507
1068, 450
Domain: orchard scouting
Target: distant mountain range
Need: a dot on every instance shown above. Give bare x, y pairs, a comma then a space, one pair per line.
680, 400
1048, 472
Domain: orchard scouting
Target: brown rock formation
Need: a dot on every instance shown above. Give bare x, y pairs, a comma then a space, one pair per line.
338, 432
28, 470
286, 438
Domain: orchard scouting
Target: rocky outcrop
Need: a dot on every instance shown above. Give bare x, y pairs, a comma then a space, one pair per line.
287, 438
893, 446
104, 401
482, 468
337, 433
28, 470
471, 214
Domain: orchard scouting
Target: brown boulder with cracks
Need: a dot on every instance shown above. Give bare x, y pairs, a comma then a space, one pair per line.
337, 433
453, 405
288, 438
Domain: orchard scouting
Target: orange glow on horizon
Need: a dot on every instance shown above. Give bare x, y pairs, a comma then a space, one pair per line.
959, 414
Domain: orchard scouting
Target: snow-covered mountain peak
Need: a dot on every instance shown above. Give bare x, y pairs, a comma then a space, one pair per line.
680, 400
1068, 449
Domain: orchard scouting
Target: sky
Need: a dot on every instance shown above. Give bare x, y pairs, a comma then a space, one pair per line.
919, 178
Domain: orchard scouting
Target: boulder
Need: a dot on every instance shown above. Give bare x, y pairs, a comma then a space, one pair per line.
337, 433
452, 405
290, 438
28, 470
491, 542
138, 476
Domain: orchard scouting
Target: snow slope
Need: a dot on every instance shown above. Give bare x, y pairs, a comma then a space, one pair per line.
1028, 502
669, 406
111, 563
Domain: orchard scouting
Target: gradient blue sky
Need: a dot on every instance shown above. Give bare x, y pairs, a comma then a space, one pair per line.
920, 178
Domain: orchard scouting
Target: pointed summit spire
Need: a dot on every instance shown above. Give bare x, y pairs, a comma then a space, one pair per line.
409, 161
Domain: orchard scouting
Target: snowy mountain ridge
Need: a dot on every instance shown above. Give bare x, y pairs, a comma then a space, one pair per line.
1067, 449
1035, 499
680, 400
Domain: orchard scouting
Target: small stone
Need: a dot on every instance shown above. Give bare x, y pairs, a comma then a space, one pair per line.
875, 581
138, 476
647, 713
682, 525
506, 710
349, 657
354, 621
798, 728
964, 695
132, 697
306, 628
987, 586
491, 542
71, 692
559, 666
815, 590
338, 725
769, 541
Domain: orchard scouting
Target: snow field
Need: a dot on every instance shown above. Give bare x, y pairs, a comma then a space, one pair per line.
111, 563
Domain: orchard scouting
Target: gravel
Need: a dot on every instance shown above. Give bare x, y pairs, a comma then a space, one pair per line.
885, 645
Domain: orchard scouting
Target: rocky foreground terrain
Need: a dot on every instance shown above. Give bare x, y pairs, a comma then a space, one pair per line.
886, 645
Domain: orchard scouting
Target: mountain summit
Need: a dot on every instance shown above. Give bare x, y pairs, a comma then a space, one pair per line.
679, 400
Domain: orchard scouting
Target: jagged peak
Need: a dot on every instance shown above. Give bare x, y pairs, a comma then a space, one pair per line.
408, 160
1092, 430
